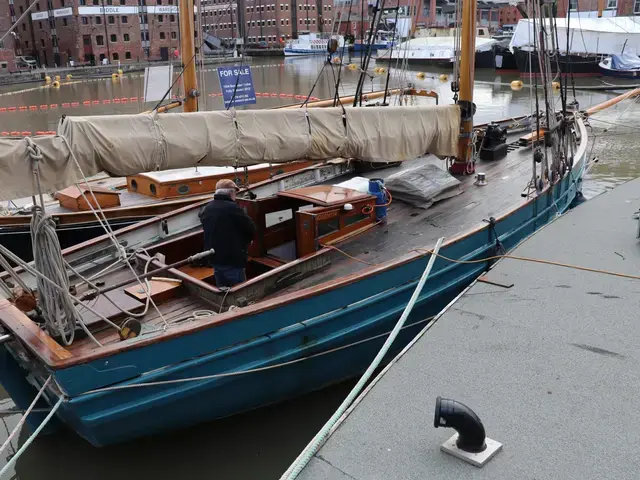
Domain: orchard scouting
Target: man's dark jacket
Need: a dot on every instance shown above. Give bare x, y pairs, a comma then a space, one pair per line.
228, 230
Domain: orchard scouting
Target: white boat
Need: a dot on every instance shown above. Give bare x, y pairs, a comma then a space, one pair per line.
439, 50
311, 44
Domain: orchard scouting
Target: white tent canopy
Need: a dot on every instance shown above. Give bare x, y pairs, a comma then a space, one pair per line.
595, 36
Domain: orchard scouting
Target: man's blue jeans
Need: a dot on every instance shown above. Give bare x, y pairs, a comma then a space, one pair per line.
227, 276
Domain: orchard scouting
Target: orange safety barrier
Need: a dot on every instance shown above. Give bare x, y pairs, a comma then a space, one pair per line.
274, 94
116, 100
95, 102
66, 105
86, 103
41, 132
106, 102
53, 105
75, 104
124, 100
5, 134
33, 107
3, 109
26, 134
23, 108
133, 99
44, 107
11, 109
15, 134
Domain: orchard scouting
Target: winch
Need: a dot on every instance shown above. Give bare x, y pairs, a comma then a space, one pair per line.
494, 143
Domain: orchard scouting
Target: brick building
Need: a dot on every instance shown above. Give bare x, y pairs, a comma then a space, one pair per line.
509, 15
589, 8
87, 31
7, 56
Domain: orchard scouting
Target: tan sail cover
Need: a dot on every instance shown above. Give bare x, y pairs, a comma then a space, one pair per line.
129, 144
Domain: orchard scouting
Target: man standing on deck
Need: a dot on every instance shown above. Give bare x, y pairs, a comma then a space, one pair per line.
229, 231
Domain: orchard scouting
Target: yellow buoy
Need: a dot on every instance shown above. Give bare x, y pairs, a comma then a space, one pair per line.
555, 85
421, 75
120, 72
337, 60
56, 84
69, 76
443, 77
516, 85
353, 66
57, 78
114, 76
382, 70
47, 79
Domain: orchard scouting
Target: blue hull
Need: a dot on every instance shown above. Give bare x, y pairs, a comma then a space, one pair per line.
328, 319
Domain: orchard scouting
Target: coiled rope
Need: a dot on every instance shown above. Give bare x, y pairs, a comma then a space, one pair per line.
57, 306
58, 309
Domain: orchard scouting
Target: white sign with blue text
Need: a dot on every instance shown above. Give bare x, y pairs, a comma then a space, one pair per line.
237, 86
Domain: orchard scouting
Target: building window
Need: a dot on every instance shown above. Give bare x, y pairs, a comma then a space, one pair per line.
42, 41
95, 2
113, 38
573, 4
85, 21
172, 18
174, 35
99, 40
38, 7
109, 2
111, 19
282, 22
127, 55
123, 2
125, 37
636, 6
159, 2
116, 56
98, 20
612, 4
162, 35
124, 19
160, 18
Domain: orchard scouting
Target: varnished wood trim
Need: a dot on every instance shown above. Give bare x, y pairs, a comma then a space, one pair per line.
35, 339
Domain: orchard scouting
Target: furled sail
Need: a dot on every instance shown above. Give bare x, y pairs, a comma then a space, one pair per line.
129, 144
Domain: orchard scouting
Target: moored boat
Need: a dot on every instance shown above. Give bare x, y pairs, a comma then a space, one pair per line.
311, 44
622, 66
591, 40
132, 336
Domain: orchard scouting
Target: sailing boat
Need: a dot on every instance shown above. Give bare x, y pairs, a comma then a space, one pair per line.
147, 342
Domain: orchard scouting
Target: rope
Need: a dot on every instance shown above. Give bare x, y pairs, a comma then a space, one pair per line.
57, 306
296, 467
534, 260
7, 442
247, 371
30, 440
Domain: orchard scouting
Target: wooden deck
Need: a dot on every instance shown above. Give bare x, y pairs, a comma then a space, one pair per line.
407, 228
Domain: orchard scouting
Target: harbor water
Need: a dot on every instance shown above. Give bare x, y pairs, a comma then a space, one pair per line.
262, 443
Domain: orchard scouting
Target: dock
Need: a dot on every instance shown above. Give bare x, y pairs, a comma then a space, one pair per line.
551, 365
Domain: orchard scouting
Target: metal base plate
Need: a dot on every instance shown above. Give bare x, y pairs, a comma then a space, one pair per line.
476, 459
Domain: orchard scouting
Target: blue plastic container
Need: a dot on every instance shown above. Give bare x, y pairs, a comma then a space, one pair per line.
376, 188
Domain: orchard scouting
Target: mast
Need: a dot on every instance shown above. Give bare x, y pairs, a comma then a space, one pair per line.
464, 163
188, 55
